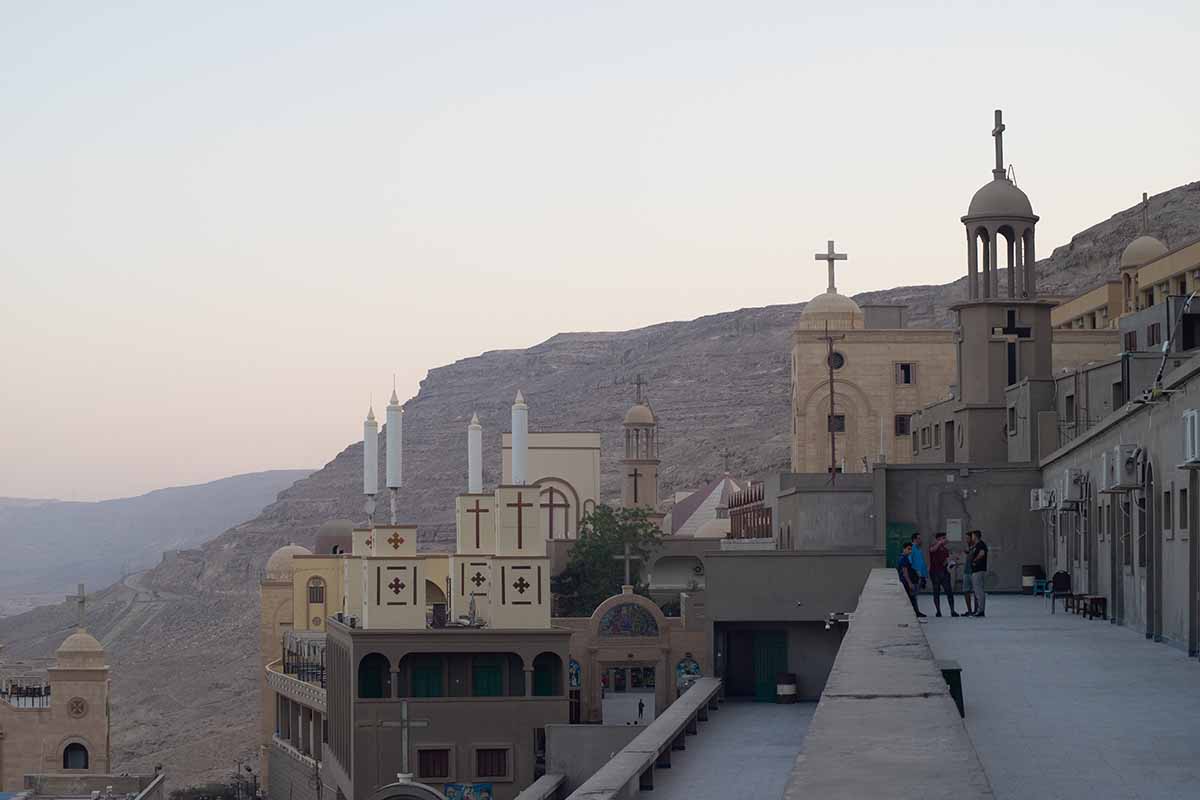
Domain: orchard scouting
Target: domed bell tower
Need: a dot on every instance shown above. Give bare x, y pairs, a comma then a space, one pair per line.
639, 467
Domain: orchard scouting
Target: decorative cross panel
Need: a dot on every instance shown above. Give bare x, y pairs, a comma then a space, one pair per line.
396, 586
521, 585
395, 540
478, 579
77, 707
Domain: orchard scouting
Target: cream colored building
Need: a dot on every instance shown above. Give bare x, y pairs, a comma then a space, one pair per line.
56, 722
565, 466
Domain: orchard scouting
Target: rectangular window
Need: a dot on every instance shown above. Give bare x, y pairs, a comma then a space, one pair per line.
487, 677
1131, 342
837, 423
1069, 408
433, 764
906, 373
925, 436
1183, 509
491, 762
1118, 395
1012, 420
903, 424
1153, 334
1181, 286
1124, 525
937, 435
916, 442
316, 592
1168, 522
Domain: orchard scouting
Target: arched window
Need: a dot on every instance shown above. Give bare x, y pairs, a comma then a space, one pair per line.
75, 756
374, 677
547, 675
316, 590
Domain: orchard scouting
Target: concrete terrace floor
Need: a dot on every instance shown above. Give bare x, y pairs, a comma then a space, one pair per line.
745, 750
1062, 708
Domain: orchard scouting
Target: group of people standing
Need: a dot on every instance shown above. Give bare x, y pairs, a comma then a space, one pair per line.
915, 575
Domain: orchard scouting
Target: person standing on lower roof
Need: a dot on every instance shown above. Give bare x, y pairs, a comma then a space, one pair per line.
908, 576
968, 589
979, 568
918, 560
939, 573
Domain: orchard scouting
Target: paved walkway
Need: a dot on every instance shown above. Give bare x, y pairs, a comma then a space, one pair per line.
1062, 708
744, 750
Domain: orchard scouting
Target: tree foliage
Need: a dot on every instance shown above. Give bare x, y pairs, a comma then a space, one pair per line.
595, 570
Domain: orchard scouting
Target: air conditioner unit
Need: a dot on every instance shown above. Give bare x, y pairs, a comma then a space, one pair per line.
1191, 436
1126, 467
1036, 501
1072, 488
1108, 472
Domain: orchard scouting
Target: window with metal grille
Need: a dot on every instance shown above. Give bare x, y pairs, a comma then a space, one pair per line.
1153, 334
433, 763
837, 423
1167, 514
316, 591
1131, 342
491, 762
1183, 509
904, 424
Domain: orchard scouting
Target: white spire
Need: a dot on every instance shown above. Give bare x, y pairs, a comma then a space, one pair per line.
395, 443
520, 441
474, 456
370, 454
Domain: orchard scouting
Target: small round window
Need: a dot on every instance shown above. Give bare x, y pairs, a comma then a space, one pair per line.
836, 360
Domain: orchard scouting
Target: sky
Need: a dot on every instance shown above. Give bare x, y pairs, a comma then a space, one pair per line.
224, 226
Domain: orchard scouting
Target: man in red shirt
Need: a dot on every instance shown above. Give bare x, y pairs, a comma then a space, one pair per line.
939, 573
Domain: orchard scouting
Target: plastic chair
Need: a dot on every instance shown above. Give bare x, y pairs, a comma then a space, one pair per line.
1060, 586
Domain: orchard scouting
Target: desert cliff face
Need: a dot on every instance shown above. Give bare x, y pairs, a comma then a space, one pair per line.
182, 638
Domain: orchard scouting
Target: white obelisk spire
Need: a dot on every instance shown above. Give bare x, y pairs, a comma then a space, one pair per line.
370, 462
395, 451
520, 441
474, 456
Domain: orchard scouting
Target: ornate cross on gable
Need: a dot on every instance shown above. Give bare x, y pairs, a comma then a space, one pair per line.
80, 600
829, 256
477, 510
550, 506
998, 133
519, 506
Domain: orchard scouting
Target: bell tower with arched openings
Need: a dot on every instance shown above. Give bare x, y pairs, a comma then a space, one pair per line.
1000, 221
639, 467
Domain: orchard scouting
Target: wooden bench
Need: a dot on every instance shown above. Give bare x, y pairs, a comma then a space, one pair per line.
1097, 606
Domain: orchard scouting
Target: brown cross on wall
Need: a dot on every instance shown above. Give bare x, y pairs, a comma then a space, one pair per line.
635, 475
520, 520
551, 505
395, 540
396, 586
477, 510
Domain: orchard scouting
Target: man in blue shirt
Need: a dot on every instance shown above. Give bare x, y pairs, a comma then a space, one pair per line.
908, 577
918, 560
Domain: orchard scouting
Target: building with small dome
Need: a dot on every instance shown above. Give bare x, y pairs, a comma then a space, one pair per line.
55, 720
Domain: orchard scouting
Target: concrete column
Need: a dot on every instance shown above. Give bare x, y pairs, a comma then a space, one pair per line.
994, 262
972, 266
529, 681
1030, 260
1018, 262
1012, 268
987, 265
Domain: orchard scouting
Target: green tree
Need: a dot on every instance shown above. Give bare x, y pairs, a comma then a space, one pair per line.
595, 571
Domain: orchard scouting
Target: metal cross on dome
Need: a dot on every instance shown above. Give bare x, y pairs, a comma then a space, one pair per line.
830, 256
998, 134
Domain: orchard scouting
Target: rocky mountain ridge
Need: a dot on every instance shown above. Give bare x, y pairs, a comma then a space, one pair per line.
183, 637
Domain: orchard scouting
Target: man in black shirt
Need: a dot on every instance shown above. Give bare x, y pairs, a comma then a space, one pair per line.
979, 566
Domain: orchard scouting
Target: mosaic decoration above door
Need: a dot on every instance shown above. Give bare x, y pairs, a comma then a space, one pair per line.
628, 619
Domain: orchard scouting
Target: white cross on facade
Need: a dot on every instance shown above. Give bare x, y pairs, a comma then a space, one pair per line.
830, 256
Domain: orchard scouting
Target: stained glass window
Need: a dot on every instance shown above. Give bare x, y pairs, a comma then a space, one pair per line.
628, 619
573, 673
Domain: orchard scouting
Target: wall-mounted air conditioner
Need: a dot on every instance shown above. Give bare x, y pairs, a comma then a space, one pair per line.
1126, 466
1191, 436
1072, 487
1036, 500
1108, 472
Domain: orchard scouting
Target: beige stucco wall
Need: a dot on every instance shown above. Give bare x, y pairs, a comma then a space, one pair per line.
566, 461
865, 390
33, 739
1105, 300
1071, 348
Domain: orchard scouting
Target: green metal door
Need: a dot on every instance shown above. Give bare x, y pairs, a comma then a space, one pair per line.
427, 678
487, 677
770, 659
897, 534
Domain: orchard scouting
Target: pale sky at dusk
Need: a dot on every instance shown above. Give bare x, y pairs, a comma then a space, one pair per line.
222, 228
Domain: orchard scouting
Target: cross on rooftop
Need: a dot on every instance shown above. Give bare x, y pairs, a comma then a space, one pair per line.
725, 455
627, 557
998, 133
640, 383
80, 600
830, 256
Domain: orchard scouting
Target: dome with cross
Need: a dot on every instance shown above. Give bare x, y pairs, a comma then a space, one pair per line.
1142, 251
839, 311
